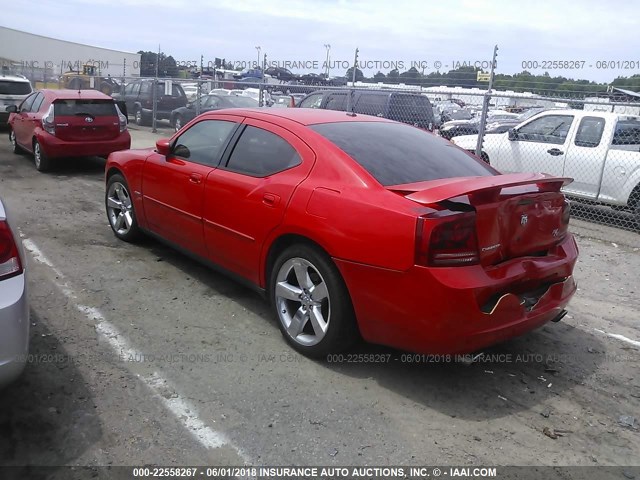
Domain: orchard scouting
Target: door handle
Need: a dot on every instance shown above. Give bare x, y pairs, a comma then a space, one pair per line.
195, 178
270, 200
555, 152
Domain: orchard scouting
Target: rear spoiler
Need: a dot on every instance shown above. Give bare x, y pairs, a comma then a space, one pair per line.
438, 190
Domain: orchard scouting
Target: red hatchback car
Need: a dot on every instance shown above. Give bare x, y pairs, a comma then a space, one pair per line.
355, 225
67, 123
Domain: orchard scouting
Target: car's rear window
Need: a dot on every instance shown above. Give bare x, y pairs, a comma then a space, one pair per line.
95, 108
627, 133
14, 88
242, 102
411, 109
395, 153
176, 90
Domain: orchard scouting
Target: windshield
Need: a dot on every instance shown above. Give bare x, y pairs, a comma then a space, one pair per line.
459, 115
529, 113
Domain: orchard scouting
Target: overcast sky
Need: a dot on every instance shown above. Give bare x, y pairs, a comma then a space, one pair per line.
384, 31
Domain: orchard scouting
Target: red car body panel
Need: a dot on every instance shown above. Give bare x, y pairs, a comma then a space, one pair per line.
73, 137
233, 220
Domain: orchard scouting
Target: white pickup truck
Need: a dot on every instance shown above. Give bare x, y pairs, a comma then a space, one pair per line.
600, 151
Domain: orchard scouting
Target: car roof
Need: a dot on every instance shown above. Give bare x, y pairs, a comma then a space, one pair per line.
14, 78
303, 116
387, 92
64, 94
587, 113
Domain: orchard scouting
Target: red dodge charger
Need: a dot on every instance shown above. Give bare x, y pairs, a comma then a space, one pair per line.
355, 226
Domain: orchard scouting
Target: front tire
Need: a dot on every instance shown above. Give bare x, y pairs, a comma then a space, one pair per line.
40, 159
120, 209
140, 119
311, 302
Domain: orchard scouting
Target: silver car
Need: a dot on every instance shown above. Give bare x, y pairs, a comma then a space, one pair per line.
14, 307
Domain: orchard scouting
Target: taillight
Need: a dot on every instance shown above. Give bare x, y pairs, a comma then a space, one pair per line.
48, 121
10, 264
447, 241
122, 120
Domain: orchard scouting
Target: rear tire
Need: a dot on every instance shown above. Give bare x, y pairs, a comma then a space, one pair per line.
311, 302
15, 148
40, 159
634, 203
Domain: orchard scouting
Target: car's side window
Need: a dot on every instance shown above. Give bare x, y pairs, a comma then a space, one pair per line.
590, 132
25, 106
548, 129
145, 88
337, 101
204, 142
128, 90
136, 88
312, 101
371, 104
626, 135
260, 153
37, 102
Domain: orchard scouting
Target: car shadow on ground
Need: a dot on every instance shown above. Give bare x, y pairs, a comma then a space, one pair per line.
517, 375
47, 417
75, 166
520, 374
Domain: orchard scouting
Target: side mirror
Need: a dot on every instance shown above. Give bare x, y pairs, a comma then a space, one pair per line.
513, 134
12, 109
163, 147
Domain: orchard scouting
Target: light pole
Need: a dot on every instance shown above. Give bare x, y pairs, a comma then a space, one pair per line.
259, 50
328, 47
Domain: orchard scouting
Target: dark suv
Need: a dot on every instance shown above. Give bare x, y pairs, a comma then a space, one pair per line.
138, 97
411, 108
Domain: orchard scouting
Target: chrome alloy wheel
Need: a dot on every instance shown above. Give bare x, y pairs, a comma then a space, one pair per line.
37, 155
302, 300
119, 208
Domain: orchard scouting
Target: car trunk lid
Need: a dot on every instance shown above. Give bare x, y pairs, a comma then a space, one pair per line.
516, 215
86, 120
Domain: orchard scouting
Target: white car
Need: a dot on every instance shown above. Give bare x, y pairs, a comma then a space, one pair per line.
600, 151
190, 90
14, 307
13, 90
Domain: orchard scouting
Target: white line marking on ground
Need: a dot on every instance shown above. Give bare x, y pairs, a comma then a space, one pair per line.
184, 411
617, 336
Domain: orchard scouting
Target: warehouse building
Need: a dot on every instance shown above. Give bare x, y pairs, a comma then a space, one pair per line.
44, 59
